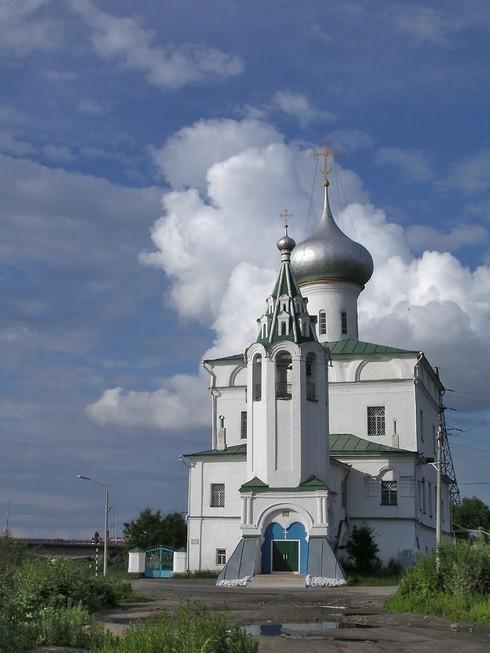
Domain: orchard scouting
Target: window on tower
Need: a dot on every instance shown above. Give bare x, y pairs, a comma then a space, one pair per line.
322, 323
243, 425
310, 377
343, 322
284, 364
376, 420
257, 378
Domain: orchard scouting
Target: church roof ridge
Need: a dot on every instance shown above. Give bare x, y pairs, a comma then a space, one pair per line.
340, 348
341, 444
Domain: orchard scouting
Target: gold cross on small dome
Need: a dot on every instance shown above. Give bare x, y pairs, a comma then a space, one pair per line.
285, 215
325, 153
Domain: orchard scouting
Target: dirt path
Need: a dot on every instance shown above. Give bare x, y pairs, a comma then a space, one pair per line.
353, 617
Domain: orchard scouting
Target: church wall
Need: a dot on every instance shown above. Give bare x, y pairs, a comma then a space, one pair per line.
348, 410
427, 415
207, 524
364, 487
230, 404
396, 538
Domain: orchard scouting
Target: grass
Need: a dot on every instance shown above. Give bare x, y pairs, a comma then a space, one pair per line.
188, 575
191, 630
456, 608
372, 580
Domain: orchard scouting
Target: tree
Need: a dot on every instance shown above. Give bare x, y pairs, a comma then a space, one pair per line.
472, 513
362, 548
150, 528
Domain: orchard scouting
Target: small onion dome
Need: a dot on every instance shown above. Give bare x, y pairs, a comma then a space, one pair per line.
286, 244
329, 254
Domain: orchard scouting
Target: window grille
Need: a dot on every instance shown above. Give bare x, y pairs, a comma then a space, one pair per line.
376, 420
220, 557
322, 322
243, 425
343, 322
389, 493
217, 495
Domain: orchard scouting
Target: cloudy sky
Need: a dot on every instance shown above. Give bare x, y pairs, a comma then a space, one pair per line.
146, 150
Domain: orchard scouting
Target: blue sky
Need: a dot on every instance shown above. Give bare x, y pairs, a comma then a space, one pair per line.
146, 150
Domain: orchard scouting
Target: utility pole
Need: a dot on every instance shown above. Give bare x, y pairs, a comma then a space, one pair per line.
7, 521
438, 489
106, 528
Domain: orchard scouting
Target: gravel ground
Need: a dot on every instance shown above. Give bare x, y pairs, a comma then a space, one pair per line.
363, 626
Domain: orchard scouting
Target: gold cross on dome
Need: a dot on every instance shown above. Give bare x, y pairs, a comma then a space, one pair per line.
325, 153
285, 215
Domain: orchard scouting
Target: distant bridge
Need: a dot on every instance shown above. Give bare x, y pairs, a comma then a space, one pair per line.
69, 548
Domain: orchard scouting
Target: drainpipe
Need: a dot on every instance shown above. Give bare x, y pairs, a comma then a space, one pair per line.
212, 388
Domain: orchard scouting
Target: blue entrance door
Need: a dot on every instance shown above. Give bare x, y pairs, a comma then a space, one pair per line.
285, 549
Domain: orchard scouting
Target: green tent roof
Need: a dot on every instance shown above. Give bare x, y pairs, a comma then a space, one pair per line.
256, 485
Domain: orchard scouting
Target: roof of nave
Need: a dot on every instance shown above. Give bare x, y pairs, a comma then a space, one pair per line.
339, 348
360, 348
341, 444
235, 450
346, 444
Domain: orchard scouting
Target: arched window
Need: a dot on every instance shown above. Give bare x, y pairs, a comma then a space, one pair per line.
284, 366
322, 323
311, 377
283, 328
343, 322
257, 378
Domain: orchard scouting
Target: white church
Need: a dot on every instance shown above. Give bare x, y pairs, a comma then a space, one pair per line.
315, 431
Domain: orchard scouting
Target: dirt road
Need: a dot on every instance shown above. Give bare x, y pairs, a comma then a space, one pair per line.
296, 619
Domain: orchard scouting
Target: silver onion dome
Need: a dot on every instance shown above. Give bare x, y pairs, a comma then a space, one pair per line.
329, 254
286, 243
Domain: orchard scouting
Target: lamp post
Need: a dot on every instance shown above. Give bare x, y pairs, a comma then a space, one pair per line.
106, 515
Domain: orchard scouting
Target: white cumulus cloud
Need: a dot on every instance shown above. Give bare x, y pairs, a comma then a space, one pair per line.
181, 404
127, 41
216, 237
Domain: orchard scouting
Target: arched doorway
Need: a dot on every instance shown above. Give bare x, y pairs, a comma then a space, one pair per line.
285, 549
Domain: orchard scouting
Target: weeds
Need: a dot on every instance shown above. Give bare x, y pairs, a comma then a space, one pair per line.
191, 630
458, 589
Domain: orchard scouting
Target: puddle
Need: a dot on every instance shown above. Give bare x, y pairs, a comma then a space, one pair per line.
314, 630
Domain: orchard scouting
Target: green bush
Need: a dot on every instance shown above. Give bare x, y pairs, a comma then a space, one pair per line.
362, 549
62, 583
458, 588
191, 630
68, 627
48, 601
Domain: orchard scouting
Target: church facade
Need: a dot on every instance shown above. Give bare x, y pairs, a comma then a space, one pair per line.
315, 431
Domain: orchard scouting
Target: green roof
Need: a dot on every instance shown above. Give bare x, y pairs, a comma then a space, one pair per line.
360, 348
235, 450
256, 485
233, 357
346, 444
339, 348
341, 444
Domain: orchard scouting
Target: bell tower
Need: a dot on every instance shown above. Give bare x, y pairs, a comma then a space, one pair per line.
287, 412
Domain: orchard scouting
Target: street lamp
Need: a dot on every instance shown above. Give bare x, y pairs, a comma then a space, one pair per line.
106, 515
